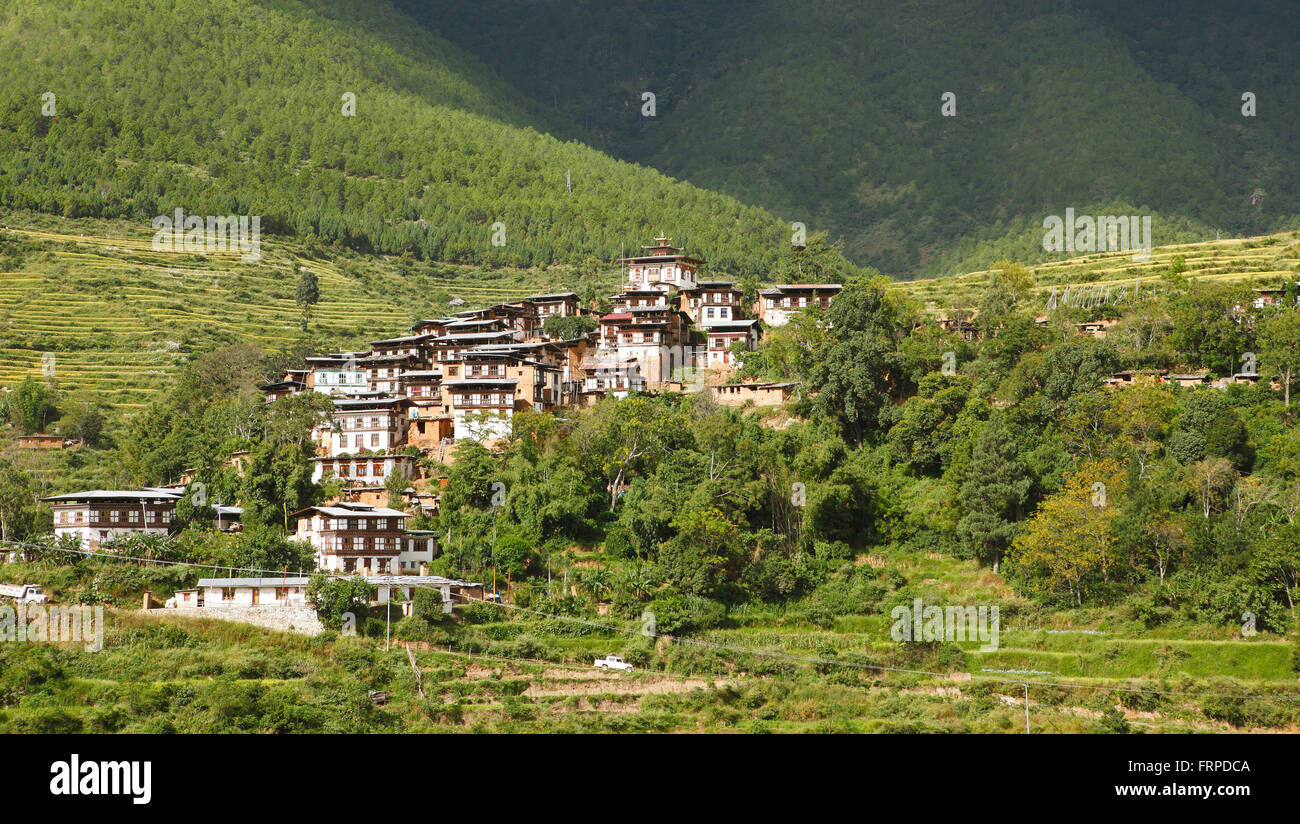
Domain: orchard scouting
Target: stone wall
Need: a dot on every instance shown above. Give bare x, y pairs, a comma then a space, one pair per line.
286, 618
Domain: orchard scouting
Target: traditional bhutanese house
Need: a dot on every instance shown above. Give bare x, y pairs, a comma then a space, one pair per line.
291, 382
428, 502
651, 325
637, 298
351, 536
419, 548
517, 318
428, 424
370, 424
432, 326
338, 374
722, 334
1191, 379
370, 495
565, 356
412, 345
563, 304
462, 326
538, 383
713, 301
363, 470
95, 517
450, 347
963, 327
662, 267
778, 304
247, 592
384, 372
610, 377
656, 337
1272, 296
759, 394
421, 385
282, 389
481, 408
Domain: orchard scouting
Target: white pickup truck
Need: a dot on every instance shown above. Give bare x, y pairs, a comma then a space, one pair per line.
613, 662
27, 593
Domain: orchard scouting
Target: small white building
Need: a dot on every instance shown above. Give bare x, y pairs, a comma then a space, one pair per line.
247, 592
419, 546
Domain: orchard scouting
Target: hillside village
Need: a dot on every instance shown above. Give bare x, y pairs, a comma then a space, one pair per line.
457, 378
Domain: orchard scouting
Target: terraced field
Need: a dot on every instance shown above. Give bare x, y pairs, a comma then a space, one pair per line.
1268, 259
93, 302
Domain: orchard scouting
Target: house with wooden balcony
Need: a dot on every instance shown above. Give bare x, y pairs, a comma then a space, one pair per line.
353, 537
661, 266
722, 335
99, 516
373, 424
781, 302
712, 301
481, 408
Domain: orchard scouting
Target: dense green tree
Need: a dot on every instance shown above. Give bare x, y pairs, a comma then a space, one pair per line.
32, 405
993, 494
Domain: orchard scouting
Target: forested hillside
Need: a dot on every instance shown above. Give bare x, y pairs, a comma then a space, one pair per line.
829, 112
237, 107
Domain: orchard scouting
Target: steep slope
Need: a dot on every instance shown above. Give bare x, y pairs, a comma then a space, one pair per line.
829, 111
236, 106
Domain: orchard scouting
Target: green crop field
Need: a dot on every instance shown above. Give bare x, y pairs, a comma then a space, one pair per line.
116, 317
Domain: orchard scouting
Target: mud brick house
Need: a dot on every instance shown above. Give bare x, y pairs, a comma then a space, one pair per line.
759, 394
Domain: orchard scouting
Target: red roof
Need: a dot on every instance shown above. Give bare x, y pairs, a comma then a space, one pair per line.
617, 316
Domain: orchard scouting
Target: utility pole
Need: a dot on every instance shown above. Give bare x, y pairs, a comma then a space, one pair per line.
1026, 708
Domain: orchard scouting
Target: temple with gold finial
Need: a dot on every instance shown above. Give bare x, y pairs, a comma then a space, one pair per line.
661, 267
